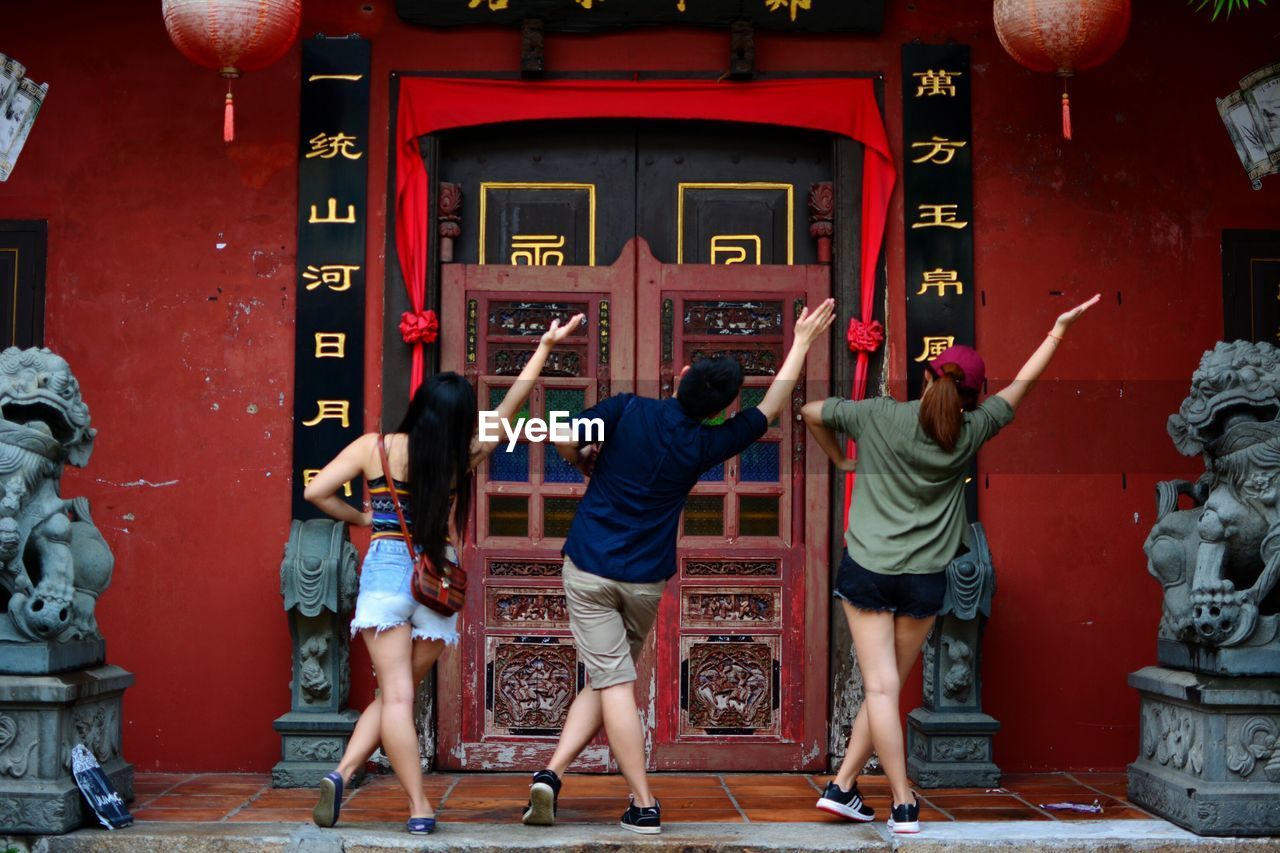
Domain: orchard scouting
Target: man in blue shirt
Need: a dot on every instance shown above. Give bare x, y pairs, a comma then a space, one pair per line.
621, 547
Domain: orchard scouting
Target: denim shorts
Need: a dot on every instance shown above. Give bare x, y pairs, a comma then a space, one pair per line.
386, 600
918, 596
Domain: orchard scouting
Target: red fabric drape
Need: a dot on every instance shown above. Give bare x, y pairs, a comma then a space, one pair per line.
837, 105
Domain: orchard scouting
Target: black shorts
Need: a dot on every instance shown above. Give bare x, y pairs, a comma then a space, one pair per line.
919, 596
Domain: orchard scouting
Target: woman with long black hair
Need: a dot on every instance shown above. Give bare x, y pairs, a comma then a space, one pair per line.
431, 456
906, 524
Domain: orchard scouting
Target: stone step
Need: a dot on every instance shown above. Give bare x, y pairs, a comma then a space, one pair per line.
1111, 836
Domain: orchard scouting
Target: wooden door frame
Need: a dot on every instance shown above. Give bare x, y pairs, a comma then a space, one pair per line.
847, 183
1236, 317
38, 230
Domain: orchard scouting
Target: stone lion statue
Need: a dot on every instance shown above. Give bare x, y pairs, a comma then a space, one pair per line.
53, 561
1219, 561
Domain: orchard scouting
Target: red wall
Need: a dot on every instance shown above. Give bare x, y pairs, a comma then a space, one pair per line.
184, 345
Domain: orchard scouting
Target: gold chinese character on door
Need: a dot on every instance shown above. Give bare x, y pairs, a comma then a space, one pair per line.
537, 250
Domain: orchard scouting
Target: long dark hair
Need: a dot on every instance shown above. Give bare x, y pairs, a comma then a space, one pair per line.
440, 423
943, 406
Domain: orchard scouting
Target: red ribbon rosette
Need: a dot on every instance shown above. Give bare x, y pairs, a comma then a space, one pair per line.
865, 336
419, 327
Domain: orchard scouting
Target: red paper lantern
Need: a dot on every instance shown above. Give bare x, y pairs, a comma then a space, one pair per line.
232, 36
1062, 36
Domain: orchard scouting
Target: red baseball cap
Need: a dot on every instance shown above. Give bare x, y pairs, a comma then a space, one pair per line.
965, 358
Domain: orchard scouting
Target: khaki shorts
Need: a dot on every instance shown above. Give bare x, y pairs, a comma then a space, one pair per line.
610, 621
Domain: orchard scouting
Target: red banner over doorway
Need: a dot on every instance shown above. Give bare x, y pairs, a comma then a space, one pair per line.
844, 106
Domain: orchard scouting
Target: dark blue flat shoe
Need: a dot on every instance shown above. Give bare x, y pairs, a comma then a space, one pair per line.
421, 825
330, 806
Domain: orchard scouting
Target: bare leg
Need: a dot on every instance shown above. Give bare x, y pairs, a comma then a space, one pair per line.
582, 724
626, 737
392, 654
909, 635
366, 737
874, 641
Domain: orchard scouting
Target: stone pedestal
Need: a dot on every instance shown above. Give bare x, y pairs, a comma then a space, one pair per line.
949, 737
23, 657
951, 750
1215, 660
41, 718
1210, 751
318, 584
311, 745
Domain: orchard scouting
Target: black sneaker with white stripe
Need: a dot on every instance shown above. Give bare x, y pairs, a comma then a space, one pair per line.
544, 792
646, 820
905, 818
845, 803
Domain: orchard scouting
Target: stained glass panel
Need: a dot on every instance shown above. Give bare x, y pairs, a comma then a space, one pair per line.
704, 515
761, 462
715, 475
510, 466
495, 400
571, 400
752, 397
508, 515
758, 515
557, 515
555, 469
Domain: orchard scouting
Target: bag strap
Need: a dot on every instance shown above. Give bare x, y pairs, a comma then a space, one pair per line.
395, 497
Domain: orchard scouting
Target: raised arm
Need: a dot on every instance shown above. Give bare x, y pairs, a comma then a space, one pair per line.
1030, 372
345, 467
519, 391
809, 327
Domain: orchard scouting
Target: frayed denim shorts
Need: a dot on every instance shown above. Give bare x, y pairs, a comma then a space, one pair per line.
386, 600
919, 596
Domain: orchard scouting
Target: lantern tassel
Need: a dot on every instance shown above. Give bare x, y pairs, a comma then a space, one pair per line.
229, 119
1066, 112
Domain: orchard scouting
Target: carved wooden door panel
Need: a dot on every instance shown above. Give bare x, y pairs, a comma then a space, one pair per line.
740, 650
505, 690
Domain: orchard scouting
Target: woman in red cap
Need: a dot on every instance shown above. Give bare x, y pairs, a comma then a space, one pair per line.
906, 524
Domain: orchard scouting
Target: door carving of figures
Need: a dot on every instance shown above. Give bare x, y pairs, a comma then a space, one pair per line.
678, 242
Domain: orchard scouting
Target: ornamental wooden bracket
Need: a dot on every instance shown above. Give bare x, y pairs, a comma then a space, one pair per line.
448, 218
742, 51
822, 203
532, 57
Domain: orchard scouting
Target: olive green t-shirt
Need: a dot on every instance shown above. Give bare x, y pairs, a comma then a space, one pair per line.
908, 513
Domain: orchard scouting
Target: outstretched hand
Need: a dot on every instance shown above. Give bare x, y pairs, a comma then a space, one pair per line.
1067, 318
557, 333
812, 325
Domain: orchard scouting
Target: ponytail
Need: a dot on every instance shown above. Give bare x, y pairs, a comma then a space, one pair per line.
941, 414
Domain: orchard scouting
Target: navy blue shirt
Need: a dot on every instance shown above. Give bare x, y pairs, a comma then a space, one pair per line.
653, 453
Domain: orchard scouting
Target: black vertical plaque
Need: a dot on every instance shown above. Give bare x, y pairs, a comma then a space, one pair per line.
937, 184
333, 155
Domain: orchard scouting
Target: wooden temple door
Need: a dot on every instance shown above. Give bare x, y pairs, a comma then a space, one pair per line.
670, 260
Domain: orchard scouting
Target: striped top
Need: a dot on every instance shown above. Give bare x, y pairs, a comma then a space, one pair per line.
385, 523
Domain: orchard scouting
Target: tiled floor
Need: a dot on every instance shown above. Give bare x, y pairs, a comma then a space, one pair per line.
698, 798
